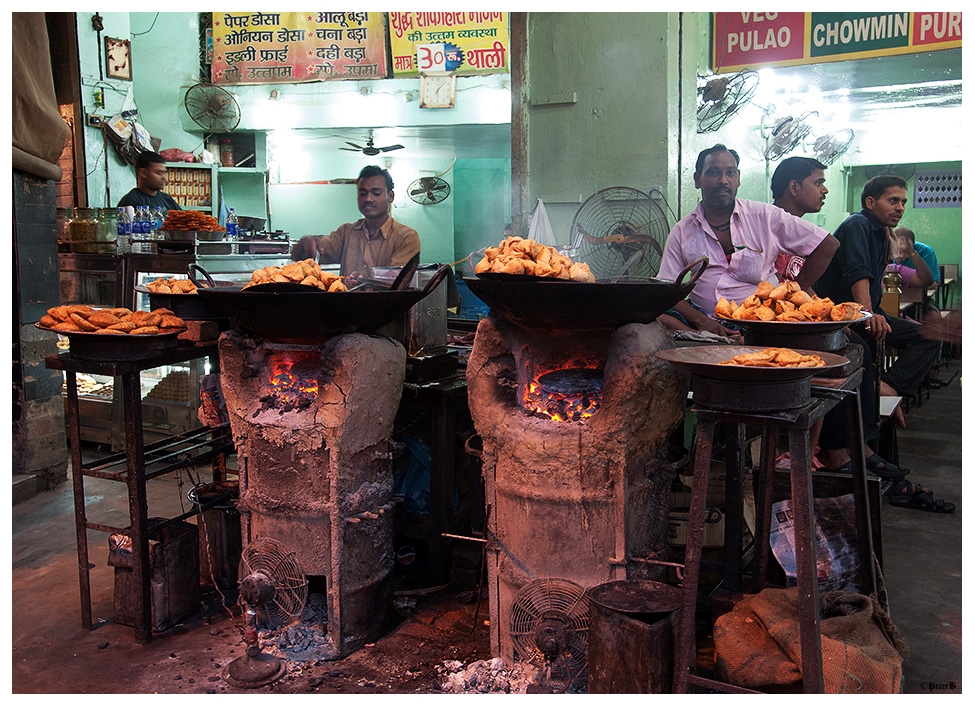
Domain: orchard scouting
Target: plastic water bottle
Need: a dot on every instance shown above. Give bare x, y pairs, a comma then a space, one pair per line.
142, 226
138, 222
123, 229
157, 221
232, 229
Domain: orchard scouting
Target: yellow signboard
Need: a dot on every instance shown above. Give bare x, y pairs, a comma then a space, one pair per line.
462, 43
293, 47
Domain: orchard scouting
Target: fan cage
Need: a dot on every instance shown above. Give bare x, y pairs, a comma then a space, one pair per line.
277, 562
787, 134
828, 148
420, 192
527, 608
212, 108
739, 90
636, 226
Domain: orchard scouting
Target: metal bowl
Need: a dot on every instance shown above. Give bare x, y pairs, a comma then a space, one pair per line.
251, 223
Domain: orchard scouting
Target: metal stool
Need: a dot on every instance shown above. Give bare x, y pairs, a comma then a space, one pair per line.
825, 394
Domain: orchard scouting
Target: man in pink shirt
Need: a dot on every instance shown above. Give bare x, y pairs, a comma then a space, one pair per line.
741, 239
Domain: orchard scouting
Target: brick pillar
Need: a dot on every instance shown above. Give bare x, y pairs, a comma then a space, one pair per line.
40, 452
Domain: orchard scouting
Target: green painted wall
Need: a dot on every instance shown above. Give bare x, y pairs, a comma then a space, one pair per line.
482, 206
602, 103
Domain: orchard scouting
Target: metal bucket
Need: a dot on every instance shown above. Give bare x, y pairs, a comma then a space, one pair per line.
632, 625
220, 544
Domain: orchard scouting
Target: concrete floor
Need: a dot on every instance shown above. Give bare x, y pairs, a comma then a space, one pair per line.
52, 653
923, 551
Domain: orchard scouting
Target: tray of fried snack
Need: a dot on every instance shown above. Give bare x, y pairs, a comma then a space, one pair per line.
113, 333
752, 363
295, 277
526, 258
778, 308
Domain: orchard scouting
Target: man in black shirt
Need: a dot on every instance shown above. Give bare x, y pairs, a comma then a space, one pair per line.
150, 175
856, 273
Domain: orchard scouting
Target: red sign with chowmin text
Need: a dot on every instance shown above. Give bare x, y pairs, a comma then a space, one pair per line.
754, 39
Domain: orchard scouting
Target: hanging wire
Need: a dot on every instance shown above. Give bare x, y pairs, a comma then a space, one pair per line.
138, 34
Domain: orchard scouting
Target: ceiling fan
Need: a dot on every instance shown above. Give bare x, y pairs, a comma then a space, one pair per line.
370, 148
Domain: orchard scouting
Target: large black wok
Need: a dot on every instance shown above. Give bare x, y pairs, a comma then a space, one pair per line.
311, 316
546, 303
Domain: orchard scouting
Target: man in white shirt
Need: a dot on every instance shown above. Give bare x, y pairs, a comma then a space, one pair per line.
741, 239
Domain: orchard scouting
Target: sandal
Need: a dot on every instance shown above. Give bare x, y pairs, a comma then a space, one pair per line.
878, 466
920, 498
844, 468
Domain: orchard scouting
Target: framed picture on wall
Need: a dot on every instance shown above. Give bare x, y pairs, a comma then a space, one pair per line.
118, 59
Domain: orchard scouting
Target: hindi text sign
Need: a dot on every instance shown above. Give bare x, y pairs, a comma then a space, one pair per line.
471, 42
293, 47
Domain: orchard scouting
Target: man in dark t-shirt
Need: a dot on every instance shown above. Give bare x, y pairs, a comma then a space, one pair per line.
150, 175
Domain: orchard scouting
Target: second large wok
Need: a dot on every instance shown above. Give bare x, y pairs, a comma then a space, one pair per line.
313, 316
546, 303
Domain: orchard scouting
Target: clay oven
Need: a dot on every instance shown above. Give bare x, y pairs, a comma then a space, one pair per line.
575, 428
312, 425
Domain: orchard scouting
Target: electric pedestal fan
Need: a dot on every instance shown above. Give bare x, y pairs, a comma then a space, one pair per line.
549, 627
273, 589
620, 231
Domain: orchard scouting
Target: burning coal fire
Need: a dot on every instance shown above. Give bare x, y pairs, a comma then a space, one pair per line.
292, 380
565, 395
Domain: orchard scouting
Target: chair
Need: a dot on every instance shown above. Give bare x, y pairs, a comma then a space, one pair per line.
949, 273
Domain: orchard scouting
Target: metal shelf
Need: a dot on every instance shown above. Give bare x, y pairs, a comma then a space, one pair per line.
138, 463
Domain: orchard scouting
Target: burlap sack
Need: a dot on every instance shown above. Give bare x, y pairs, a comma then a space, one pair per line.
757, 644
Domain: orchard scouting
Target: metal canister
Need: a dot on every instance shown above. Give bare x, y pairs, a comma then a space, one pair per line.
631, 637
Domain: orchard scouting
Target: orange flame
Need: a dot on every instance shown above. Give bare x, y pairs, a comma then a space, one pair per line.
286, 387
561, 407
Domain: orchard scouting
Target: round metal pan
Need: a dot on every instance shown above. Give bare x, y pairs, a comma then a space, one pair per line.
193, 235
547, 303
185, 306
313, 316
705, 361
117, 347
819, 336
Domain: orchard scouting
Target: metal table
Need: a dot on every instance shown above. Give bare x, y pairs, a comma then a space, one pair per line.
138, 463
826, 393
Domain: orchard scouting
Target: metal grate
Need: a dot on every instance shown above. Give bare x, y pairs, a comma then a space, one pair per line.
937, 189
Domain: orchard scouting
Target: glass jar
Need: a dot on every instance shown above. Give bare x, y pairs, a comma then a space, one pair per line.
227, 153
64, 239
107, 233
83, 230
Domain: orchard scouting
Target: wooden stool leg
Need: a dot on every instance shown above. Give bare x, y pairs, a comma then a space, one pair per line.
861, 497
804, 528
763, 508
684, 658
734, 509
